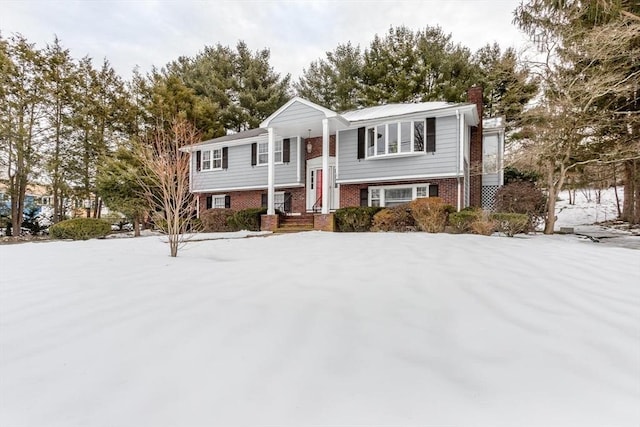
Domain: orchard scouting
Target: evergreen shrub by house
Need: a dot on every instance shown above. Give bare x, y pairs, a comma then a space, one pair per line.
355, 218
511, 223
247, 219
216, 220
397, 218
80, 229
430, 214
461, 222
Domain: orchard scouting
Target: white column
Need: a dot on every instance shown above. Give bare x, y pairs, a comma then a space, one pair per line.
271, 174
325, 166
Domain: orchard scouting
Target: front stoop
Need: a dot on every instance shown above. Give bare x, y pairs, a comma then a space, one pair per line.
294, 224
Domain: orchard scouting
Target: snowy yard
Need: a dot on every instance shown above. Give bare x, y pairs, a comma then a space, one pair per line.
320, 329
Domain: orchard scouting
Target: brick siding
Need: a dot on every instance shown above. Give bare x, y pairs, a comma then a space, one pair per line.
447, 190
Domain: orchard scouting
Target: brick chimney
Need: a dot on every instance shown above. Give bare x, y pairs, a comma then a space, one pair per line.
474, 96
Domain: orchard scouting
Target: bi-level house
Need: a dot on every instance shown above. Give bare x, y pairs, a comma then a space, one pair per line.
305, 158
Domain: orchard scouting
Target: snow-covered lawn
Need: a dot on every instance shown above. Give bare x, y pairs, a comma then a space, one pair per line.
320, 329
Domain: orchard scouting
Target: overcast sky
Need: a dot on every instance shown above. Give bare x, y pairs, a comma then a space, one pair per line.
146, 32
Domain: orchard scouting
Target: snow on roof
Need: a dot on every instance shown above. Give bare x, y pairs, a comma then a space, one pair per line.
493, 122
390, 110
235, 136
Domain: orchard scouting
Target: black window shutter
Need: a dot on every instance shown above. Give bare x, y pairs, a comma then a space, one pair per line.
254, 154
225, 157
286, 150
209, 202
198, 160
361, 133
431, 135
433, 190
264, 201
227, 202
364, 197
287, 202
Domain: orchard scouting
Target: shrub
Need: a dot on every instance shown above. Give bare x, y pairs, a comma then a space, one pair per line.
80, 229
524, 198
246, 219
461, 222
397, 218
511, 223
216, 220
355, 218
430, 214
485, 226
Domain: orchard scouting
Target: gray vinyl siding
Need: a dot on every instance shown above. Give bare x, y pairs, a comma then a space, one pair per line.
490, 179
298, 112
241, 174
442, 162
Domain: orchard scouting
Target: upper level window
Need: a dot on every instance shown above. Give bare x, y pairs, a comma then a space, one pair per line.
263, 152
211, 159
396, 138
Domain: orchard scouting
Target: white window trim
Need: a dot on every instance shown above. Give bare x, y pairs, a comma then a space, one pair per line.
398, 153
382, 188
218, 197
211, 159
281, 151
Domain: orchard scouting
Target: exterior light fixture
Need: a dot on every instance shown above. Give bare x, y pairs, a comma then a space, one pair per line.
309, 146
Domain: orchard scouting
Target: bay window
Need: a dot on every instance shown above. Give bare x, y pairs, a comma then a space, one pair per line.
397, 138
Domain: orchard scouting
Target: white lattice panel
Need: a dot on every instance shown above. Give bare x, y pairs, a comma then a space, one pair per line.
489, 196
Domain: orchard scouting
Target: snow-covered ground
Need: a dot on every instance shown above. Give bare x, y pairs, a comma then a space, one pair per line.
320, 329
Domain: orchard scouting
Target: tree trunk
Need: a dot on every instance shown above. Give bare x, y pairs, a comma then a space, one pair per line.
630, 207
615, 191
136, 226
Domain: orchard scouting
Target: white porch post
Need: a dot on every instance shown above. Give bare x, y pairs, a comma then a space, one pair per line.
271, 174
325, 166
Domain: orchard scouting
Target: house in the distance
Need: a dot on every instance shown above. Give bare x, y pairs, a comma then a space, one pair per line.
305, 158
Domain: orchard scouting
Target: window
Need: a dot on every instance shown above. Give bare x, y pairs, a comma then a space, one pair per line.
490, 162
217, 159
218, 202
396, 138
211, 159
263, 153
418, 139
206, 160
393, 195
277, 152
375, 197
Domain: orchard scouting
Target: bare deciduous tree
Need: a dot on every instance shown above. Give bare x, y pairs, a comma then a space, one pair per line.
164, 179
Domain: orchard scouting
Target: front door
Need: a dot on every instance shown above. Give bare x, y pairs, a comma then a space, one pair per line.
314, 185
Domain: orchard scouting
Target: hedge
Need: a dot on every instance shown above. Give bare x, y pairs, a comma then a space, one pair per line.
355, 218
80, 229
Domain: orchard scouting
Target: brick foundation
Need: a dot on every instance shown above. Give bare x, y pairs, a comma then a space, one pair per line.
447, 190
253, 199
269, 222
324, 222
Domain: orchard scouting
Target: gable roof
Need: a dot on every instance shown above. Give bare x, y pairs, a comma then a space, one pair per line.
320, 109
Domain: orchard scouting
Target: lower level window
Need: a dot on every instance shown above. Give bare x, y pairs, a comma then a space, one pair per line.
393, 195
218, 202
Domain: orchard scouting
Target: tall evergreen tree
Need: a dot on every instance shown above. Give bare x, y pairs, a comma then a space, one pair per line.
21, 114
336, 82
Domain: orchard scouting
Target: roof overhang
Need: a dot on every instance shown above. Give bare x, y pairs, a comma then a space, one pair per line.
301, 117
